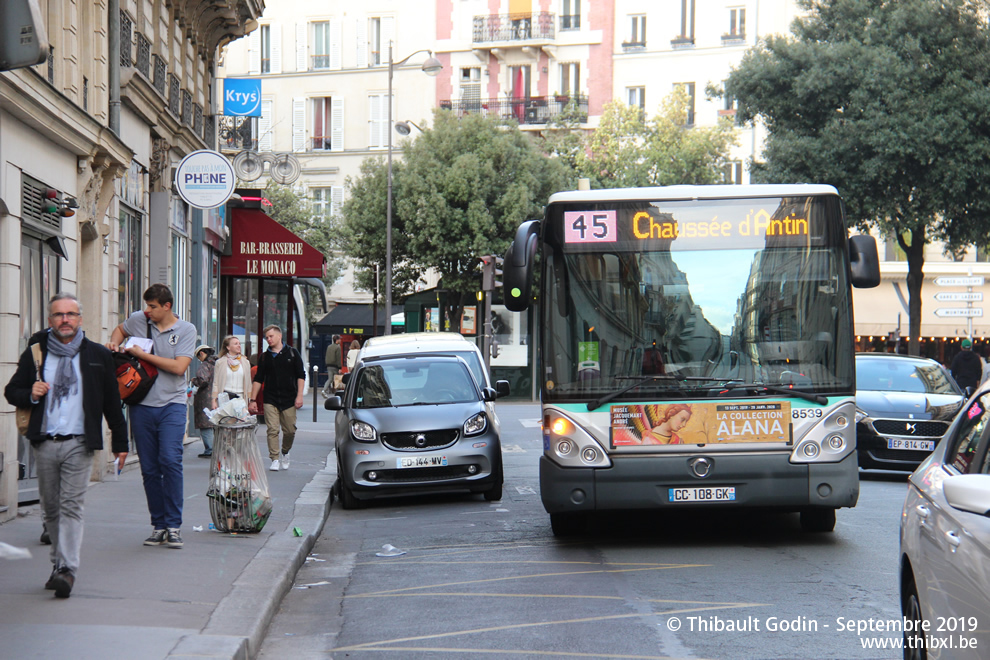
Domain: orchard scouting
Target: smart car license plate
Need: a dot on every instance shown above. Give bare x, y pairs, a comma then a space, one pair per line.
420, 461
913, 445
715, 494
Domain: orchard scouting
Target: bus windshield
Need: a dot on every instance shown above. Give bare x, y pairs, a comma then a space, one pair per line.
707, 293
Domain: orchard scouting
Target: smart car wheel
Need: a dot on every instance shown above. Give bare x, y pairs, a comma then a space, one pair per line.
347, 499
914, 640
568, 524
494, 494
818, 519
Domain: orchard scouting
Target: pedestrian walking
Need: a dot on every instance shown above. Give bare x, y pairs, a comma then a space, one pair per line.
966, 366
281, 371
333, 365
159, 421
203, 380
69, 395
352, 353
233, 371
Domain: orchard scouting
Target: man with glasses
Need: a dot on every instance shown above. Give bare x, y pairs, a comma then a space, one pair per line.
69, 394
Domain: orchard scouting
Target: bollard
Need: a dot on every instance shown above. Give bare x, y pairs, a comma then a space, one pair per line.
314, 381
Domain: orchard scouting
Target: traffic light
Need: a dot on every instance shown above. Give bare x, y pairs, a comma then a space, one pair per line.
491, 272
50, 203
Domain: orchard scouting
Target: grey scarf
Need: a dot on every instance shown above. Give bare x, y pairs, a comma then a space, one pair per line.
65, 381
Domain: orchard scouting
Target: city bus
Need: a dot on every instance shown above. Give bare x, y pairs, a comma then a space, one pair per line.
695, 349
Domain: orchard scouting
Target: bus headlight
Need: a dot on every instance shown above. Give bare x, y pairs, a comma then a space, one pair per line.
569, 445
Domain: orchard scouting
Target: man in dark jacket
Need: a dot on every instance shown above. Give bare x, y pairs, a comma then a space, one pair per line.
967, 367
281, 371
71, 393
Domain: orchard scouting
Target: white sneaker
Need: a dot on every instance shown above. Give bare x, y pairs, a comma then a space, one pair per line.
274, 467
285, 461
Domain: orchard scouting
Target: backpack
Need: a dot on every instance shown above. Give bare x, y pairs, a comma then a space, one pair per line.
134, 377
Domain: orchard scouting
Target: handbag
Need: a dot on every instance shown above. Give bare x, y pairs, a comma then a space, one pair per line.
23, 415
134, 376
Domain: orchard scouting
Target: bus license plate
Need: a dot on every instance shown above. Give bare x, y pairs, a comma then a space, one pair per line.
420, 461
912, 445
715, 494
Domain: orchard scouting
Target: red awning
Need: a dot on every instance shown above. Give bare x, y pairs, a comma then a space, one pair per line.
260, 247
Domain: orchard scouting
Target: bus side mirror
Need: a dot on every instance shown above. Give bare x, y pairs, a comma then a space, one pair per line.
864, 263
518, 266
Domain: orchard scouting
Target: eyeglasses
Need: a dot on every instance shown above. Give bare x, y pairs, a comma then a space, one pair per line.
66, 315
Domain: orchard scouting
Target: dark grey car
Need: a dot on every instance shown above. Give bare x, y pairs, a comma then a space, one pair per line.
904, 404
416, 424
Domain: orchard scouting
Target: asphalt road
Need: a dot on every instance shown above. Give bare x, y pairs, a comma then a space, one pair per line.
480, 579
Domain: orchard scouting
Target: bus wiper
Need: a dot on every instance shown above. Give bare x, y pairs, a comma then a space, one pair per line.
807, 396
639, 381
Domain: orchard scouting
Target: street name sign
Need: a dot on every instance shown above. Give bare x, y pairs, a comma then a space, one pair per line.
959, 311
959, 296
945, 280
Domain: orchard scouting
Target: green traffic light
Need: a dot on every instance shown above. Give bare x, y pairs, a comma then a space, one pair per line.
515, 292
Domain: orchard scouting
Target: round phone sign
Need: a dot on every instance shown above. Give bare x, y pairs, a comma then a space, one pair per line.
205, 179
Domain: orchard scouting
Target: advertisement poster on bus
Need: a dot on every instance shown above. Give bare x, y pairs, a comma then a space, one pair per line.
700, 423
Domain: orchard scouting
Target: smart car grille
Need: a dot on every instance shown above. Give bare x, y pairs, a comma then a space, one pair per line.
419, 440
423, 474
910, 428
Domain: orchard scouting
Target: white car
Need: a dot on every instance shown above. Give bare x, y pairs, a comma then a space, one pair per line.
945, 543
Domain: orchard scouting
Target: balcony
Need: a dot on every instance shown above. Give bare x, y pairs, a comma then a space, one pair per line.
508, 28
535, 110
237, 133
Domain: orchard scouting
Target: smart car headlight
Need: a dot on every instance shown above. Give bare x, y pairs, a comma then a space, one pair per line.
363, 431
476, 424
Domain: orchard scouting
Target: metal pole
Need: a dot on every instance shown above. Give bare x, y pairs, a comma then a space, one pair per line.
316, 379
388, 207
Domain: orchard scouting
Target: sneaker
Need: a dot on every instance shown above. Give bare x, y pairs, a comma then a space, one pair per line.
63, 581
45, 539
206, 454
285, 462
172, 538
157, 538
50, 585
275, 465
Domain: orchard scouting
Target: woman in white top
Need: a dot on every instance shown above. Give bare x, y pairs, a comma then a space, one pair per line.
232, 373
352, 354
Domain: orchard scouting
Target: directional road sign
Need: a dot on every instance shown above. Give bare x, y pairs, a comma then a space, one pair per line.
959, 311
945, 280
959, 296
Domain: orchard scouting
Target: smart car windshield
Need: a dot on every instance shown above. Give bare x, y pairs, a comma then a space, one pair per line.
414, 381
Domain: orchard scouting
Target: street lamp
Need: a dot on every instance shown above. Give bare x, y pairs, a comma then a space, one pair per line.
431, 67
404, 128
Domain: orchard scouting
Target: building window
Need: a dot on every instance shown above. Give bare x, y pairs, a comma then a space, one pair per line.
687, 23
733, 172
178, 273
321, 45
375, 41
636, 97
326, 202
266, 48
570, 14
129, 262
321, 124
637, 32
737, 22
377, 121
570, 78
689, 88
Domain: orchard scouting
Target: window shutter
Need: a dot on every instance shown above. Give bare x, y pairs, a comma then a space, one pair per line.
374, 121
254, 52
336, 199
301, 47
265, 127
388, 36
299, 124
276, 48
337, 123
336, 41
362, 42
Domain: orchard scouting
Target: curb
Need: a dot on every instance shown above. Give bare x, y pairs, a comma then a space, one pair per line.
238, 625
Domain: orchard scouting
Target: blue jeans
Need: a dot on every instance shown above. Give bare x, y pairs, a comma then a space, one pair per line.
158, 433
206, 435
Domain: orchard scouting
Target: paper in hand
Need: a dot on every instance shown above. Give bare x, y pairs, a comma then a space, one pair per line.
143, 343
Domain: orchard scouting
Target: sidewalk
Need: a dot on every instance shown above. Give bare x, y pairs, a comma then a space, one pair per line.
214, 598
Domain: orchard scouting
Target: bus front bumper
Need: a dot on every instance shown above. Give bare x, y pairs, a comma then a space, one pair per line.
643, 482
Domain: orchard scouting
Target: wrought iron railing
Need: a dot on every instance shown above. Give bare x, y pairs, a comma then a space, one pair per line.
210, 131
533, 110
237, 133
126, 59
143, 63
197, 123
513, 27
187, 113
174, 102
160, 70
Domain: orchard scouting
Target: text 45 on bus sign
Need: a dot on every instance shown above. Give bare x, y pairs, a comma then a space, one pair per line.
205, 179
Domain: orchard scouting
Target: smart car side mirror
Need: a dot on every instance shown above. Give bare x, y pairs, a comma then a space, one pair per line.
502, 388
488, 394
334, 403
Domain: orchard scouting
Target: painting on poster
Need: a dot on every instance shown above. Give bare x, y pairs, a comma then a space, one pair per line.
700, 423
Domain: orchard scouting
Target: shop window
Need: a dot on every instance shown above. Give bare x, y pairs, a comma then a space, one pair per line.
130, 261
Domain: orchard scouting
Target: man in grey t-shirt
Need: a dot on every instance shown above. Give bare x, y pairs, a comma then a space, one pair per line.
159, 421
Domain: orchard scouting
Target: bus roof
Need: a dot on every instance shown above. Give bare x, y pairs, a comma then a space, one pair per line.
694, 192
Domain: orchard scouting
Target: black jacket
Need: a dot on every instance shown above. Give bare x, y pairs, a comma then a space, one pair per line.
967, 369
101, 397
281, 375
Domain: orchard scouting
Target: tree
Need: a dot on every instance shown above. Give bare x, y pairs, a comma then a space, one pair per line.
630, 149
463, 188
888, 101
295, 213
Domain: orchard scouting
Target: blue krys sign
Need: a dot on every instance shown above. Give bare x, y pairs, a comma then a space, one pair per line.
242, 97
